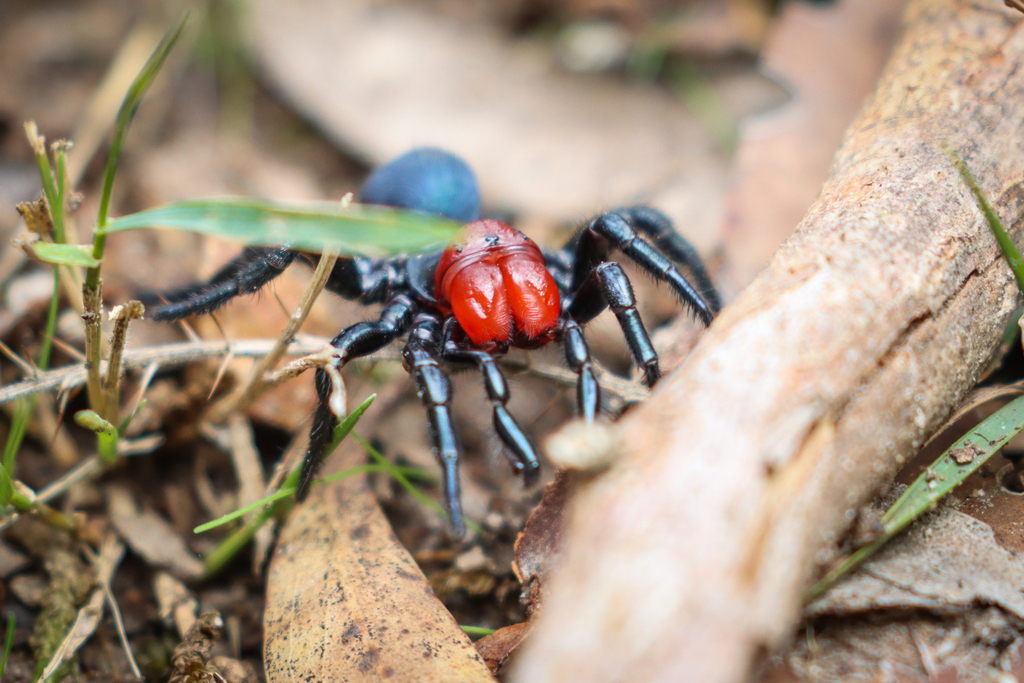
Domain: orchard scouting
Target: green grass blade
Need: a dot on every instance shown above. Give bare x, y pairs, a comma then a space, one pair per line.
231, 516
65, 254
309, 226
288, 488
22, 413
957, 463
476, 630
399, 475
281, 493
340, 432
129, 105
12, 623
6, 487
1006, 244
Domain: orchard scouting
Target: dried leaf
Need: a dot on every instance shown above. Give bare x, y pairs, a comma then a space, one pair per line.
150, 535
177, 606
502, 644
11, 561
345, 601
948, 564
538, 546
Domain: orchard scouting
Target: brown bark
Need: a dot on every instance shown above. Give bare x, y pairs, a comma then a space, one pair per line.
687, 560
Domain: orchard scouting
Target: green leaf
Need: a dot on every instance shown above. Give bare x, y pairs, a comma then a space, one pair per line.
957, 463
308, 226
6, 487
65, 254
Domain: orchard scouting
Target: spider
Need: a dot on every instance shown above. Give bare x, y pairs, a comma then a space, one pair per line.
490, 289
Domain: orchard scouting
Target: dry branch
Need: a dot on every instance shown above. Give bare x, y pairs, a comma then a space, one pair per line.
687, 560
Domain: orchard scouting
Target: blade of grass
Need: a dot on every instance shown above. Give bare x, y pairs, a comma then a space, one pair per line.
477, 630
129, 105
229, 547
12, 622
411, 488
309, 226
23, 409
6, 488
340, 432
287, 491
1009, 249
55, 199
950, 470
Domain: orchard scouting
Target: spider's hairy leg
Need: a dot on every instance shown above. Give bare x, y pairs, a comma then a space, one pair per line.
588, 391
357, 340
659, 228
435, 389
248, 273
620, 235
524, 459
608, 284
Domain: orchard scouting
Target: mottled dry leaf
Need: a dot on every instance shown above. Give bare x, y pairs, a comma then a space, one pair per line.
973, 647
948, 563
537, 547
829, 56
380, 78
150, 535
502, 644
345, 600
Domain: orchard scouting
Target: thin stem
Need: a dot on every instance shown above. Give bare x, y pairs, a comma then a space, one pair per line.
256, 385
133, 310
57, 209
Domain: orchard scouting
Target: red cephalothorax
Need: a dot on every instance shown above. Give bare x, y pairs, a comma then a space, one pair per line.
494, 280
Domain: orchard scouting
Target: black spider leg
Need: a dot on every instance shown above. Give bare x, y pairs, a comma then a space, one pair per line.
524, 459
608, 284
613, 231
658, 227
588, 391
435, 389
248, 273
367, 280
357, 340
